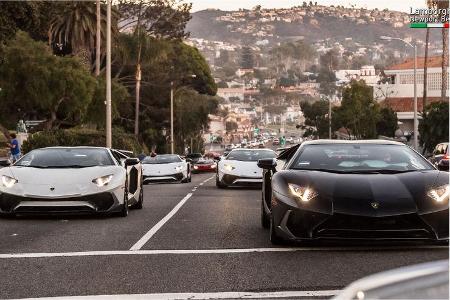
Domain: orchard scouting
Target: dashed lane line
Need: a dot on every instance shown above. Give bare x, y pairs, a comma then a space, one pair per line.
139, 244
203, 296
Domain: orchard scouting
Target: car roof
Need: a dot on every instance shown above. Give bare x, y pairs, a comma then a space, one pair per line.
249, 149
362, 142
74, 147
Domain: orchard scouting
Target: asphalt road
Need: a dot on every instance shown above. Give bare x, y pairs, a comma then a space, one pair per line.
189, 238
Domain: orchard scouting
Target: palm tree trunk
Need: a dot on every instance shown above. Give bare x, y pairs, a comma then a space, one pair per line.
138, 72
98, 41
425, 70
444, 64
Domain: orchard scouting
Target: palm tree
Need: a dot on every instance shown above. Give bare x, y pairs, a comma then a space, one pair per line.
76, 28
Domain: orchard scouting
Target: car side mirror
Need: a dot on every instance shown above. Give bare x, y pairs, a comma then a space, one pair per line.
131, 162
267, 163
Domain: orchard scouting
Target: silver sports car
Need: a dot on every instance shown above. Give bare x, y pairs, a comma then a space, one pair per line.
71, 180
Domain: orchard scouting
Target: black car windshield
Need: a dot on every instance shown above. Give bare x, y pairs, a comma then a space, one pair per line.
250, 155
194, 155
161, 159
66, 158
348, 158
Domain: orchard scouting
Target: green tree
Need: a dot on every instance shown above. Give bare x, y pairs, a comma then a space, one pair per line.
316, 116
247, 59
387, 122
433, 128
95, 113
359, 112
34, 81
29, 16
75, 29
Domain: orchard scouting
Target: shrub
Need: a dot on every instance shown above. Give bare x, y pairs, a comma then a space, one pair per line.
82, 137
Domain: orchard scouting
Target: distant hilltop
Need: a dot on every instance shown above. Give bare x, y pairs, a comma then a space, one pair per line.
308, 21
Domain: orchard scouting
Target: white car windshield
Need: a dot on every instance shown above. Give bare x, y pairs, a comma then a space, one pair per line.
66, 158
161, 159
253, 155
348, 158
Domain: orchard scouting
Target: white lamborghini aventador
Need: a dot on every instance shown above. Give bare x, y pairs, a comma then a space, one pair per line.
239, 167
71, 180
166, 168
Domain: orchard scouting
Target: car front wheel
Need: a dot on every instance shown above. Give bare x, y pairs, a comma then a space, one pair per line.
274, 238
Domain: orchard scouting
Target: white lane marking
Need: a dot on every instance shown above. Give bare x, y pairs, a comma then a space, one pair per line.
158, 226
222, 295
205, 251
201, 183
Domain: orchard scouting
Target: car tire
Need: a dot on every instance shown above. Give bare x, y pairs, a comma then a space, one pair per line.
219, 184
274, 238
265, 219
140, 203
125, 208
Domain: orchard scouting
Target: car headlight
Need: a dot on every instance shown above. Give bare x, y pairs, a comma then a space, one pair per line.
228, 167
305, 194
8, 181
213, 166
439, 194
195, 167
102, 181
178, 168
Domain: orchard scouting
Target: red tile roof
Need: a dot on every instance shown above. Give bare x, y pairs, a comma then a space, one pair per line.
433, 62
406, 104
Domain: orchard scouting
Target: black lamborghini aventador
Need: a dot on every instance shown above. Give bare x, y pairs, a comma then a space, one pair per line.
372, 190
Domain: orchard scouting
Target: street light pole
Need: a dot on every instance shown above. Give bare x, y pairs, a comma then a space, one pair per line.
329, 118
171, 119
108, 76
416, 120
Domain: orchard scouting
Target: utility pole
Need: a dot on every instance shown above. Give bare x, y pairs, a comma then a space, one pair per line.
416, 121
108, 76
171, 119
98, 40
329, 118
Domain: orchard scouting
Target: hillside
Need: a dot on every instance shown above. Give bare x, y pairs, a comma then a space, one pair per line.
311, 23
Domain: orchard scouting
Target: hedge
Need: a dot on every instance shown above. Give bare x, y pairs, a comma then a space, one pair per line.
82, 137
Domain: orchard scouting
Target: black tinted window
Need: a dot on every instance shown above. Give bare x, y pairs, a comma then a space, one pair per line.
161, 159
254, 155
66, 157
359, 157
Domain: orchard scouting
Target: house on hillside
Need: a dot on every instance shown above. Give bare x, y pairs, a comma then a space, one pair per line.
398, 93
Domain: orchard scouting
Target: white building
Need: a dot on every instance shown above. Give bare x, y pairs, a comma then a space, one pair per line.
228, 93
366, 73
398, 93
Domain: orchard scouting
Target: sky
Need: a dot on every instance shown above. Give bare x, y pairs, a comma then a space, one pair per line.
399, 5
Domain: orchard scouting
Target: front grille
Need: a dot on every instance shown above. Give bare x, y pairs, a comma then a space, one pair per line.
101, 201
230, 179
348, 226
157, 178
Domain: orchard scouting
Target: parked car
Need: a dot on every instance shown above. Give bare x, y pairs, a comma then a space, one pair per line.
440, 157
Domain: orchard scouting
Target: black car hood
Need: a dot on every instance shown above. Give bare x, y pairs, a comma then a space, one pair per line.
366, 194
